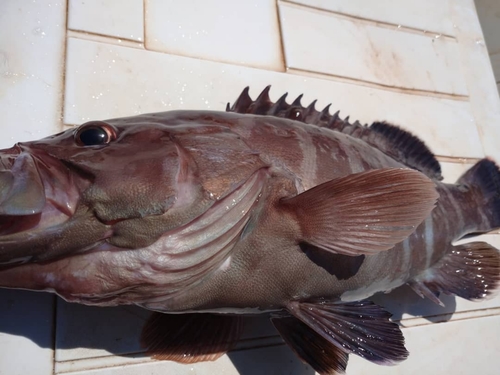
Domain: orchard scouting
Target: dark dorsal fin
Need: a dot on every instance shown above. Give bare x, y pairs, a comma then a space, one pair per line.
391, 140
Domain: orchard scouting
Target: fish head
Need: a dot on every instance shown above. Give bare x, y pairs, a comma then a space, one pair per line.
78, 207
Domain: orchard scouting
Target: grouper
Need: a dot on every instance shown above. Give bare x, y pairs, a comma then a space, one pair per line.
205, 217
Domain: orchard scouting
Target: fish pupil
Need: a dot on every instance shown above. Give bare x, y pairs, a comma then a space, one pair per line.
94, 136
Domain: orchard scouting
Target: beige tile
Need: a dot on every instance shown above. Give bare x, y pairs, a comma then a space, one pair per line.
460, 348
426, 15
99, 76
452, 171
31, 62
478, 74
218, 30
358, 50
26, 332
121, 19
489, 16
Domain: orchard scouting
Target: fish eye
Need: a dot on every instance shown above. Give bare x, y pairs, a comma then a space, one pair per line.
95, 133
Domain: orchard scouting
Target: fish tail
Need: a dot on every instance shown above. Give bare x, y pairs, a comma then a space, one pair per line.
484, 180
470, 270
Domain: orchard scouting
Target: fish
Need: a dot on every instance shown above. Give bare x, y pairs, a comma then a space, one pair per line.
206, 217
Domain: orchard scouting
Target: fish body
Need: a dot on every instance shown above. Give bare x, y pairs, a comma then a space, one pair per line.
267, 208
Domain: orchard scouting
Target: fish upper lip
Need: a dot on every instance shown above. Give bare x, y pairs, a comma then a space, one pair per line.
59, 194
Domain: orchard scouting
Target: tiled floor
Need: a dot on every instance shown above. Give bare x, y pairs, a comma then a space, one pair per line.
418, 63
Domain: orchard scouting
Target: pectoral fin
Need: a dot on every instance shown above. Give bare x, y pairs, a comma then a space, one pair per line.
190, 338
363, 213
362, 328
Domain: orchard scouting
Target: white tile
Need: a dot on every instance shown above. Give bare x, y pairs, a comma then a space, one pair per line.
31, 62
452, 171
489, 16
121, 19
354, 49
26, 332
271, 360
243, 33
426, 15
461, 348
98, 79
479, 76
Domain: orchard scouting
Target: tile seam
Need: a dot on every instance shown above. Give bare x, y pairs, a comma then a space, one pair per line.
359, 82
368, 21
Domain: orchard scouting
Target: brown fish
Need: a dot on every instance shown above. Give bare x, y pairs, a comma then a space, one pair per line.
269, 208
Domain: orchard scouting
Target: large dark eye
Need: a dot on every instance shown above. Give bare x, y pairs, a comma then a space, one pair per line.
94, 133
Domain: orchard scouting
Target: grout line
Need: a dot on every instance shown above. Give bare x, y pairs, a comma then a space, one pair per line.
381, 24
62, 94
457, 159
144, 10
359, 82
105, 39
282, 40
54, 332
449, 317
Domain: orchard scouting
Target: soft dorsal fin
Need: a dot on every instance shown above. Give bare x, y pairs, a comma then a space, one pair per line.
390, 139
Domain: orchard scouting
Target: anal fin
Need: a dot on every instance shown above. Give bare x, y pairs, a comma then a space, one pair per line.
362, 328
190, 338
470, 271
319, 353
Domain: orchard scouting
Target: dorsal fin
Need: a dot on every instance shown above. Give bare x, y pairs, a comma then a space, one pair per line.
390, 139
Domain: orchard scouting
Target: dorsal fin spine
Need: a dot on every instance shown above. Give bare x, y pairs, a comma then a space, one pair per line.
392, 140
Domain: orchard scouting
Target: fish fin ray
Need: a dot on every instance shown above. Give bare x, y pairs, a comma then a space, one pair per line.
470, 271
363, 213
312, 348
390, 139
362, 328
190, 338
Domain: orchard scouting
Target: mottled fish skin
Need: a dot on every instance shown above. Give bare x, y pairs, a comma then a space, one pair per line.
265, 262
253, 282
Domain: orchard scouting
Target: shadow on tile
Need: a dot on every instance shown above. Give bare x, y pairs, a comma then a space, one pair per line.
27, 314
403, 302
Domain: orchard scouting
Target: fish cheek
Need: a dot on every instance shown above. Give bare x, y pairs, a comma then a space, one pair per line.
342, 266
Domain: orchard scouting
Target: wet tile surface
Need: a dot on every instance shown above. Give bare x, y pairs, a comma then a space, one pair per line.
94, 92
30, 100
247, 34
443, 349
479, 76
425, 15
121, 19
354, 49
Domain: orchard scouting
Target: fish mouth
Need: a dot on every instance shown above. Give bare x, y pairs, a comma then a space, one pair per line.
37, 192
